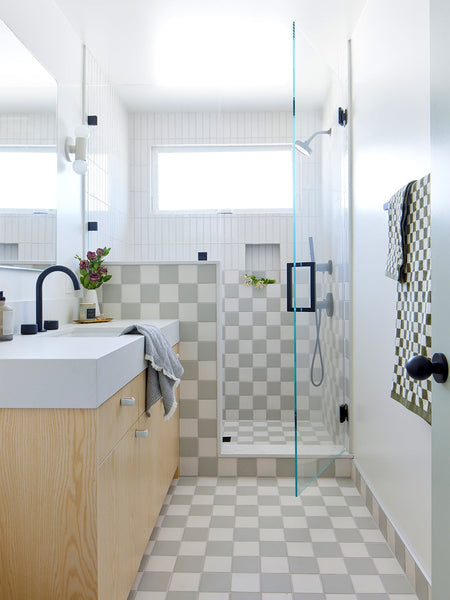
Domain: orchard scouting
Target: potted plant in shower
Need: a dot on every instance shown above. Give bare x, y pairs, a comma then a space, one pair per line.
257, 282
93, 274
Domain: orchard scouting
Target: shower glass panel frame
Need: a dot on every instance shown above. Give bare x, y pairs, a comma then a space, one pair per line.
317, 279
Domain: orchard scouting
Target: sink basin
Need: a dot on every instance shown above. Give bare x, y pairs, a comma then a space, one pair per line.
169, 327
89, 332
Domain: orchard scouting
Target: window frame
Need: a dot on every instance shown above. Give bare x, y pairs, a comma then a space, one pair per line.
181, 148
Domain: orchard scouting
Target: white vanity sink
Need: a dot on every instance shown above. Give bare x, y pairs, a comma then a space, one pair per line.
169, 327
78, 366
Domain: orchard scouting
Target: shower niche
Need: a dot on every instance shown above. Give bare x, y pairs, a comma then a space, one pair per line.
262, 258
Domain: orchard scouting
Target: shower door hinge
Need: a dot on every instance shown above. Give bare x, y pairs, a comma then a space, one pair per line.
342, 116
343, 413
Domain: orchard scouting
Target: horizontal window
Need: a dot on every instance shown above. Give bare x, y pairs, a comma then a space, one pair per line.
220, 178
28, 177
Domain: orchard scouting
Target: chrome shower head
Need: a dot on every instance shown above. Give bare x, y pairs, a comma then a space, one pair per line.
304, 147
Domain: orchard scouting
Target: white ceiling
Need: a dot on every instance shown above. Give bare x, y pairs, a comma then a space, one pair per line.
211, 54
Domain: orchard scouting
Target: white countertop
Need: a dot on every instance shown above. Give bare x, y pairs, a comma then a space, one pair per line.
77, 366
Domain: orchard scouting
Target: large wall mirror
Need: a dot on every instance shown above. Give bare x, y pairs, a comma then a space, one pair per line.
27, 157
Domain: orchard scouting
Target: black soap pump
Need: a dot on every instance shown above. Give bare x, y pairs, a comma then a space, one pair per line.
6, 320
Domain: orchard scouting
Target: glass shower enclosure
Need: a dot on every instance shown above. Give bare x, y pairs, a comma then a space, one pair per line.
318, 279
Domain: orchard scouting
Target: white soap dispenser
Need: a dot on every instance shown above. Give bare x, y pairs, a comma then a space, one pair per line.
6, 320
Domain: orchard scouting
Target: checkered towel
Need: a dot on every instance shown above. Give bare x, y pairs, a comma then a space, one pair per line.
397, 212
413, 327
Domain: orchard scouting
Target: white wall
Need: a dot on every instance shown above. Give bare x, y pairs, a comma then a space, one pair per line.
107, 179
44, 30
390, 50
179, 237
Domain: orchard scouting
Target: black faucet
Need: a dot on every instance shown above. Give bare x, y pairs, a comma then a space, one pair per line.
40, 281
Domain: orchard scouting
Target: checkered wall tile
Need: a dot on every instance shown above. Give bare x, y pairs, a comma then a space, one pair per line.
258, 353
188, 292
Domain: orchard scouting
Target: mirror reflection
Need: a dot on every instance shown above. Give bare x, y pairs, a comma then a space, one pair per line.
27, 157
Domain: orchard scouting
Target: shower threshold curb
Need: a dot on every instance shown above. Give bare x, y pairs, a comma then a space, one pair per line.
282, 451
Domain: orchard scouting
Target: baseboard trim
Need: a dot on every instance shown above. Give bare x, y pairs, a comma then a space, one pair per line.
413, 569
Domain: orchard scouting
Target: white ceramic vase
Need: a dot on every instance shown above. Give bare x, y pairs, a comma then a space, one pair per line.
90, 297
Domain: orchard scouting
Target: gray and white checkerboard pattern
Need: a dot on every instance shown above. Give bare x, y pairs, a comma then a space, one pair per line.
250, 538
188, 292
276, 432
413, 325
258, 353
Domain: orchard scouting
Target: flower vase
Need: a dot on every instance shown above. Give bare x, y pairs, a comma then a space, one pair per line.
90, 297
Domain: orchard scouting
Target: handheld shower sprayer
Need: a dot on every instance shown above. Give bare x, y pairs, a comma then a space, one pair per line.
304, 147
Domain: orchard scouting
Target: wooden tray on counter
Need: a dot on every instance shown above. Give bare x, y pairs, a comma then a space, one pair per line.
96, 320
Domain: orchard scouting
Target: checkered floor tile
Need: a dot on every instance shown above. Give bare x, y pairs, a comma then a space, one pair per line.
276, 432
251, 539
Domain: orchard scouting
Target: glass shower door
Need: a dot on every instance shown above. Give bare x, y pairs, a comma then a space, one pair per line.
317, 276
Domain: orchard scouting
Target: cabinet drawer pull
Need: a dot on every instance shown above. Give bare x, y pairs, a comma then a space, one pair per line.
141, 433
127, 401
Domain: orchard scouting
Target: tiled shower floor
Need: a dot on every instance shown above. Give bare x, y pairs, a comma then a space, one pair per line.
251, 539
276, 432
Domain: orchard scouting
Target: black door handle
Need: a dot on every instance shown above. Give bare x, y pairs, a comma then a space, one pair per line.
290, 286
420, 367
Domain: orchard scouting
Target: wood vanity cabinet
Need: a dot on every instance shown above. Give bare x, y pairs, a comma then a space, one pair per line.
80, 494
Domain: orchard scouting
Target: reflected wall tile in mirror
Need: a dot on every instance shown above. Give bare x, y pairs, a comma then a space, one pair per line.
27, 157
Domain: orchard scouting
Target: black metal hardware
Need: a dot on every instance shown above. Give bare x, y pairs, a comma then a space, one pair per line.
202, 256
312, 287
28, 328
226, 438
343, 413
92, 225
342, 116
39, 283
92, 120
421, 367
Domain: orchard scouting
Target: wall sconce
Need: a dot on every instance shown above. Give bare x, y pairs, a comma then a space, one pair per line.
78, 148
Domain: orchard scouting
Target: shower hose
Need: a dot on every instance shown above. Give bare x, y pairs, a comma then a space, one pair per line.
317, 351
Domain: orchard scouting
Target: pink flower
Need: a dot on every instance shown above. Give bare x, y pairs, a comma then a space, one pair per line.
84, 264
104, 270
91, 255
100, 252
94, 276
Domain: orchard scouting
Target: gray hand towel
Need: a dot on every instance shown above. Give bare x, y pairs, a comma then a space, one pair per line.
164, 371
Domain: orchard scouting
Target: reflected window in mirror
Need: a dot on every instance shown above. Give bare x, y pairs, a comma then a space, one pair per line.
28, 162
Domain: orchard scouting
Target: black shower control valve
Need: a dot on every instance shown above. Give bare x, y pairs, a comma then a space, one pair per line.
343, 413
342, 116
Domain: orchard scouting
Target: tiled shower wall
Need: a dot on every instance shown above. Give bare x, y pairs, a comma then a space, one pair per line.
334, 216
189, 292
107, 178
28, 237
257, 330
